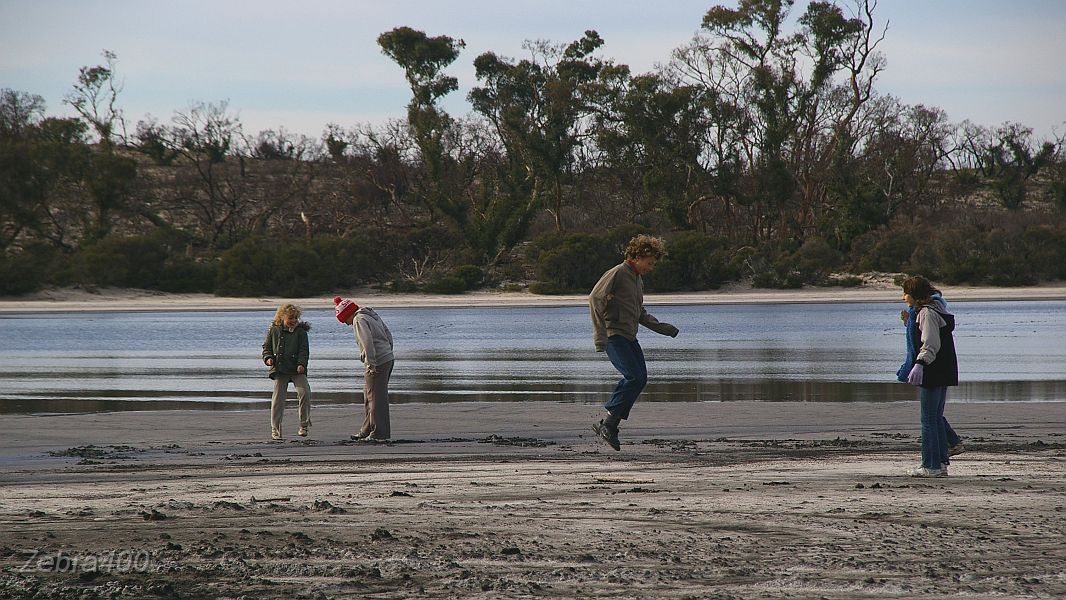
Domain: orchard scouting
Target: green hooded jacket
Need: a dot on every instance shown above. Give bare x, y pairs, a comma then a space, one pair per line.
288, 349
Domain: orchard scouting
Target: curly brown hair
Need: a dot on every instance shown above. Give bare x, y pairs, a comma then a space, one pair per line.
645, 245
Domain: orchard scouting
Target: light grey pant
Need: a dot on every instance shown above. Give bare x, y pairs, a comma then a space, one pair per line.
376, 402
277, 403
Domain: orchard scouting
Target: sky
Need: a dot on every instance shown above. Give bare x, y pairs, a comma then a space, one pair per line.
299, 66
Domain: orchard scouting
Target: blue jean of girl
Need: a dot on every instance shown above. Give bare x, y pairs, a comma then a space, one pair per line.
934, 432
626, 356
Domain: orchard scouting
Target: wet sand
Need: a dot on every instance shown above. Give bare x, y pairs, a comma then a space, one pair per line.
503, 500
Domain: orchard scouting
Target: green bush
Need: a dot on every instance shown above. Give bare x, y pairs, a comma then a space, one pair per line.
815, 260
447, 284
574, 263
344, 262
27, 270
472, 275
1046, 248
246, 268
694, 261
126, 262
774, 268
258, 266
402, 286
185, 275
884, 250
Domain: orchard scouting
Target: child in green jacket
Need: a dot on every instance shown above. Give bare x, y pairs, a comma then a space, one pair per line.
285, 351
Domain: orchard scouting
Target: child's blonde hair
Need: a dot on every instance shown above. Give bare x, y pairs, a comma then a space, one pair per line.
287, 310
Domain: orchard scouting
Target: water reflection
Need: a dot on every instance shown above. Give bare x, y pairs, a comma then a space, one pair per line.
765, 353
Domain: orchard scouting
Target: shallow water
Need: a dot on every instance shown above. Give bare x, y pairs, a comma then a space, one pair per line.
1009, 351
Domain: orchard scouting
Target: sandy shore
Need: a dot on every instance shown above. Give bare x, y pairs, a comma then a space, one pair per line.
503, 500
877, 290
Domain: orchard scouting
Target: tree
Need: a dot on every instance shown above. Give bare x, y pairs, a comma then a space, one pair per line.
423, 59
95, 96
1017, 161
205, 136
18, 112
790, 114
40, 182
539, 108
656, 136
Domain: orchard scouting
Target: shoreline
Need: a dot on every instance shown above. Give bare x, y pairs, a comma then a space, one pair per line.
126, 300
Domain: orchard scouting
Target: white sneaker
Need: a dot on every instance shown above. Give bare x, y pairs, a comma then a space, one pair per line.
303, 431
275, 434
926, 472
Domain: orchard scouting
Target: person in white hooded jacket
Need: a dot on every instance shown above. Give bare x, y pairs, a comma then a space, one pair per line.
375, 351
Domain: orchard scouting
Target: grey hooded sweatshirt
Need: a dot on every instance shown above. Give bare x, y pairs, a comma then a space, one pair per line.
373, 337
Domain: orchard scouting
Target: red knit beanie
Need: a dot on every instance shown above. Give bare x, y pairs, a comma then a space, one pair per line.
345, 308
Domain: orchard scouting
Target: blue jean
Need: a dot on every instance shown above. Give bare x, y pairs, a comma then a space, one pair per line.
628, 358
934, 427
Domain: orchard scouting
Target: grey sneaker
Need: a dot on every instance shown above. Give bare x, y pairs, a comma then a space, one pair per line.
358, 436
608, 434
956, 449
926, 472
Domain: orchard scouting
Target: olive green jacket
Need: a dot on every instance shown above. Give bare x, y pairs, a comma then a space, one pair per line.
288, 349
616, 304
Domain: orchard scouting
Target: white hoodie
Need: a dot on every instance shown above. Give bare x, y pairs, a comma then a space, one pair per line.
373, 337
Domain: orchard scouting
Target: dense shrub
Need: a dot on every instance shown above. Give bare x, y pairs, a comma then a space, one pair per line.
445, 284
472, 275
815, 260
246, 268
344, 262
884, 249
1046, 250
694, 261
126, 262
772, 267
27, 270
185, 275
456, 281
260, 266
572, 263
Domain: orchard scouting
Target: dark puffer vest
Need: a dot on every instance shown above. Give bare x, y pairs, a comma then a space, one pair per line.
944, 370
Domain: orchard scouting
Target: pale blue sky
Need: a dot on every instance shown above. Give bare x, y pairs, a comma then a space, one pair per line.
303, 65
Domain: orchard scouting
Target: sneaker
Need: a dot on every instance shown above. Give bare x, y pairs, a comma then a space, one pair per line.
608, 434
956, 449
303, 431
275, 435
373, 439
358, 436
927, 472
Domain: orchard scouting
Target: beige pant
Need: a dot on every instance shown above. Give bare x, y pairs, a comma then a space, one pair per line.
376, 402
277, 403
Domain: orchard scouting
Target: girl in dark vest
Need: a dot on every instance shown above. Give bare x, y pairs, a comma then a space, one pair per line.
935, 368
910, 324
